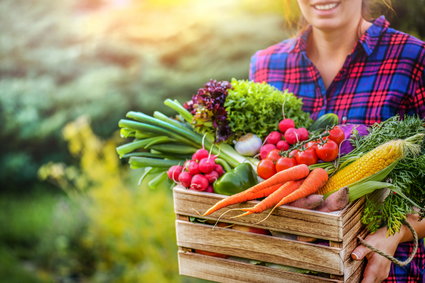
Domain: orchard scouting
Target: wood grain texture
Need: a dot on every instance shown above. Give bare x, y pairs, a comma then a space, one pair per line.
340, 228
260, 247
231, 271
298, 221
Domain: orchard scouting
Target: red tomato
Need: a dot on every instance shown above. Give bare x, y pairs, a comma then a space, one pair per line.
328, 151
293, 153
285, 163
274, 155
312, 144
336, 134
266, 168
307, 157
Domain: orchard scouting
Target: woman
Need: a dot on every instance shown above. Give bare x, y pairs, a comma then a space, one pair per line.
365, 72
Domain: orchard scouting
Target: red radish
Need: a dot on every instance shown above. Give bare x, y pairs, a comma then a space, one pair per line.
206, 165
185, 178
219, 169
265, 149
193, 167
199, 183
200, 154
210, 189
174, 172
302, 134
274, 137
285, 124
291, 136
282, 145
212, 176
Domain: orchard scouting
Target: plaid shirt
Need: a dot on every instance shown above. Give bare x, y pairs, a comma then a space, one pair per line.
383, 76
414, 272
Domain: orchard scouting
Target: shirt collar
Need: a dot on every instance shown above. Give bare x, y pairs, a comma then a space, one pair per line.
368, 40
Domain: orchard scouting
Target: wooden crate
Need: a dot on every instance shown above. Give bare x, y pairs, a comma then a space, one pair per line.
327, 261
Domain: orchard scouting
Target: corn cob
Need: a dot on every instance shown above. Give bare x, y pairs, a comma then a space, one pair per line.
367, 165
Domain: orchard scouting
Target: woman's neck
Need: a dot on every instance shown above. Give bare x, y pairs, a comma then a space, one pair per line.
328, 49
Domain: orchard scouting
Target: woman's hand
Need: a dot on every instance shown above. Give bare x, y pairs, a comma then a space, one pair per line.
378, 267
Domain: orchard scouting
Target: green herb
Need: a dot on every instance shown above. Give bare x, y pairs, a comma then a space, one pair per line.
408, 176
257, 108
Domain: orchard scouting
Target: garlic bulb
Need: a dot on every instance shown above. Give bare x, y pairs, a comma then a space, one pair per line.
248, 145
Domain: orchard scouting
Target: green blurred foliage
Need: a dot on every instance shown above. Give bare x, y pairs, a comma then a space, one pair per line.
409, 16
41, 239
102, 58
130, 229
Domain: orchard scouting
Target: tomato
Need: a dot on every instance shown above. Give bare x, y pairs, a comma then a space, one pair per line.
285, 163
336, 134
266, 168
312, 144
274, 155
327, 151
307, 157
293, 153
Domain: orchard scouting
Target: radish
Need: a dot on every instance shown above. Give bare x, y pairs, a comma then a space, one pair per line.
210, 189
200, 154
199, 183
193, 167
265, 149
291, 136
282, 145
273, 137
174, 172
302, 134
285, 124
185, 179
219, 169
212, 176
206, 165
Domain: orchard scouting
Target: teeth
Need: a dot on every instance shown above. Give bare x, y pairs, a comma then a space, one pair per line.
325, 6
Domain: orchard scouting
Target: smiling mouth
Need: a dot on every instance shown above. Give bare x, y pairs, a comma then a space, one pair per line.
325, 7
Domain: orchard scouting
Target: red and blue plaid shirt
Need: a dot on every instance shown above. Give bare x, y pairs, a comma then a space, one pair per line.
383, 76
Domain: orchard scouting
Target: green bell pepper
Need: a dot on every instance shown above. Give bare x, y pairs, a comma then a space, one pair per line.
234, 181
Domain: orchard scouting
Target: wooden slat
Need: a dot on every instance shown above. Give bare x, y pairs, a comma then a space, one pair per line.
357, 274
352, 209
297, 221
259, 247
350, 246
231, 271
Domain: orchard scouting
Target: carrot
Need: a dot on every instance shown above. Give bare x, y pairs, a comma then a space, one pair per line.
273, 198
314, 181
291, 174
237, 199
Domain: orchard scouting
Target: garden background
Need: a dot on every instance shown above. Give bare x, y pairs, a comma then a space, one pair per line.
71, 211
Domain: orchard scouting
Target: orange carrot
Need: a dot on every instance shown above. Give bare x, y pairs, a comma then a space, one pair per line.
291, 174
236, 198
273, 198
314, 181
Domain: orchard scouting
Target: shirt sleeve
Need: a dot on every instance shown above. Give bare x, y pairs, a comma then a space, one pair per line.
417, 100
253, 67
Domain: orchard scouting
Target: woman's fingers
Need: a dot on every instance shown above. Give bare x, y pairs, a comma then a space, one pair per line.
360, 252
